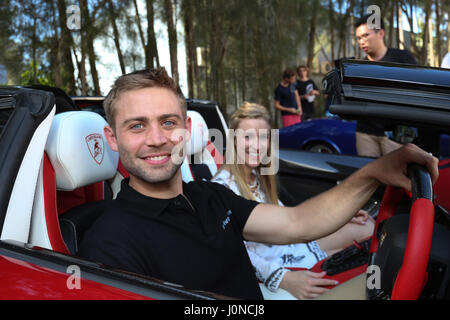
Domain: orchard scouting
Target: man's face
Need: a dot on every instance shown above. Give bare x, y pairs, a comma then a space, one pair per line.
293, 79
369, 40
304, 72
145, 123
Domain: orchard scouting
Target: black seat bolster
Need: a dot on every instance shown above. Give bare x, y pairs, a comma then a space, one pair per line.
76, 221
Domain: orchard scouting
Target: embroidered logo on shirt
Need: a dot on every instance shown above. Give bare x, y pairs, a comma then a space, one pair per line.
290, 258
227, 219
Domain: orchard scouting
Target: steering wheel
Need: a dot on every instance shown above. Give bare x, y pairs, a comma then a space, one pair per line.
412, 276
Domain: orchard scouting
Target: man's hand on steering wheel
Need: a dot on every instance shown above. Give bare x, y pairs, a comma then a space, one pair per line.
391, 169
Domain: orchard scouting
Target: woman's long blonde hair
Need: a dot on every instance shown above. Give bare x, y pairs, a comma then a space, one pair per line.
268, 182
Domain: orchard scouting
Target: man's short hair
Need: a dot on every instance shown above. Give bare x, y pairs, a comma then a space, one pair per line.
288, 74
363, 20
141, 79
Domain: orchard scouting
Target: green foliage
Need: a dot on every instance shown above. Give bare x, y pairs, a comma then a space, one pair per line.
36, 74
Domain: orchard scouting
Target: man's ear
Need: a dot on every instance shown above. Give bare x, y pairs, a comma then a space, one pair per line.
111, 138
188, 128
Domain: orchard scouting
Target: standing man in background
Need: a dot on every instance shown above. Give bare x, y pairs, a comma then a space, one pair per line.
287, 99
371, 140
308, 91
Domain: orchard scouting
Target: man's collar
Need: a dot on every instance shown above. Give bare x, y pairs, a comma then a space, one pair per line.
136, 199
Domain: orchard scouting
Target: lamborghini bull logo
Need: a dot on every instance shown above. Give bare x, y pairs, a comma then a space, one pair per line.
96, 147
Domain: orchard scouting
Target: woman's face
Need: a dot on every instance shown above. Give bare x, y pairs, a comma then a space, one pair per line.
252, 141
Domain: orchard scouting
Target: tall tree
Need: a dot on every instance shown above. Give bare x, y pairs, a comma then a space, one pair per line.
137, 18
151, 49
113, 17
65, 43
331, 27
438, 33
55, 59
173, 41
426, 33
187, 11
87, 37
312, 34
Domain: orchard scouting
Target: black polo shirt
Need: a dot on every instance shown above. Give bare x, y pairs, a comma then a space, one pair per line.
196, 243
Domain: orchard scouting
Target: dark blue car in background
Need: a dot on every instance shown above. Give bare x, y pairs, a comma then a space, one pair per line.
330, 135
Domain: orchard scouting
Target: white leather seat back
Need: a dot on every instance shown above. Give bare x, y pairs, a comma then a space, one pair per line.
199, 133
196, 148
78, 150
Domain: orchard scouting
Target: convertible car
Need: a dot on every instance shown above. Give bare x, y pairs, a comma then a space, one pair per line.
55, 165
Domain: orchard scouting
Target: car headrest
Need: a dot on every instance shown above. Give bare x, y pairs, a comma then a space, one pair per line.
199, 133
78, 150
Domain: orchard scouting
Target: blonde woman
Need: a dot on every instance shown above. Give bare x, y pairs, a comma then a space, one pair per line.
247, 157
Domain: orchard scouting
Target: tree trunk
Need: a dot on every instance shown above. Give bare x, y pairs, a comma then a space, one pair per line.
332, 26
65, 43
391, 25
139, 26
189, 44
82, 70
55, 60
397, 20
213, 33
401, 34
425, 40
312, 34
448, 37
33, 50
89, 38
438, 34
151, 51
112, 16
173, 42
431, 56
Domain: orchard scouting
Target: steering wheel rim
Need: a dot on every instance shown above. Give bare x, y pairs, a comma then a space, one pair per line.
412, 275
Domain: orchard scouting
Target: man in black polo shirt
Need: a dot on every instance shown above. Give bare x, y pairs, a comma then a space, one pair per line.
371, 140
192, 234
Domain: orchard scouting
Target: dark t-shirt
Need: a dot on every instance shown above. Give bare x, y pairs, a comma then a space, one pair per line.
304, 87
200, 248
286, 97
392, 55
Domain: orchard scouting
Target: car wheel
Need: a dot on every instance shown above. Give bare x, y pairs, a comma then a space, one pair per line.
320, 147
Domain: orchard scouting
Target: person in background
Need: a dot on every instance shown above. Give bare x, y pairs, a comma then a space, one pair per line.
371, 140
242, 173
308, 91
287, 99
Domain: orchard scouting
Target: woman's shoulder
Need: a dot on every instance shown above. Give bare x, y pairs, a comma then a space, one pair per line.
225, 178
